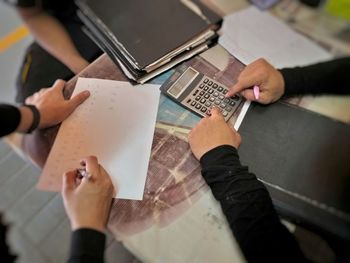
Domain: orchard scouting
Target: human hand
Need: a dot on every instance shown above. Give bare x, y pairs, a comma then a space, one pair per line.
52, 106
264, 75
212, 132
88, 200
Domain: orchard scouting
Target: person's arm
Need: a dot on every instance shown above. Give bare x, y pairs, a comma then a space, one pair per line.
49, 104
53, 37
87, 245
14, 119
244, 200
248, 209
87, 202
329, 77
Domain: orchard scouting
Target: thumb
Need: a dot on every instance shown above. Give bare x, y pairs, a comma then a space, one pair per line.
69, 181
79, 99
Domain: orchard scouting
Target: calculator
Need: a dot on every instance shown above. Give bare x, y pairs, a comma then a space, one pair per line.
199, 93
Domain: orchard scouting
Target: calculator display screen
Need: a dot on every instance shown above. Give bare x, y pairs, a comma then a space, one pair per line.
182, 82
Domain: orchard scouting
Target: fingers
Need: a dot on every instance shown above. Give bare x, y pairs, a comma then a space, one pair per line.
255, 73
29, 100
78, 99
92, 166
246, 81
105, 174
59, 85
215, 113
248, 94
69, 181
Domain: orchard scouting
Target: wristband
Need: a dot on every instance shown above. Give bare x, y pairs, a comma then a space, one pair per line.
36, 117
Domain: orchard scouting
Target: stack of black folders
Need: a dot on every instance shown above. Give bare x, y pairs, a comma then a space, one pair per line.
148, 37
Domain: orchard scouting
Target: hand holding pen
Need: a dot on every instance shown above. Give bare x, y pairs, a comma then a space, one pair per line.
87, 194
260, 82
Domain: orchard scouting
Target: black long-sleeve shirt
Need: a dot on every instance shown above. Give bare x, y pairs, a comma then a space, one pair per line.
330, 77
248, 208
87, 245
10, 118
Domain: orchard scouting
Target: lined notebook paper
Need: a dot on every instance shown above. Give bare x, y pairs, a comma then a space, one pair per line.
116, 124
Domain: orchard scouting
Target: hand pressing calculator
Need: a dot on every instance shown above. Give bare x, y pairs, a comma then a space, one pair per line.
199, 93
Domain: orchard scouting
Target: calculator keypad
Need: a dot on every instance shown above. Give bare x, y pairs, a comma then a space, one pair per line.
209, 93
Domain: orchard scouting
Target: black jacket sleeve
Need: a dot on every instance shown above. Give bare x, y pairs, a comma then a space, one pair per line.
10, 118
331, 77
248, 209
87, 245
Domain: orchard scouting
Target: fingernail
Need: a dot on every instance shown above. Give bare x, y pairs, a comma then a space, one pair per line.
86, 93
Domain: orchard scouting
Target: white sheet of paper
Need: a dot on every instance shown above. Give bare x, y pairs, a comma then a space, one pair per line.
251, 34
116, 124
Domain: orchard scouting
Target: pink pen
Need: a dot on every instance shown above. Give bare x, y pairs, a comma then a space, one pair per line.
256, 91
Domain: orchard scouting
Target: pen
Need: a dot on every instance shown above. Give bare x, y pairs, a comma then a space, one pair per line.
256, 91
83, 173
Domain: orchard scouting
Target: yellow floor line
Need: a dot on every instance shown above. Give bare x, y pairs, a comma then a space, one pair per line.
12, 38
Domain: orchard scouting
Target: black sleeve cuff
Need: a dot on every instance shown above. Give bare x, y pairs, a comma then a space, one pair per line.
224, 155
87, 245
293, 81
10, 118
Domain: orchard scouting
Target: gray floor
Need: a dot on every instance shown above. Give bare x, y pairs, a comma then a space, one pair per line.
40, 230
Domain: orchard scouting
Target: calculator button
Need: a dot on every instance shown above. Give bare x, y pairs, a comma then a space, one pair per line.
224, 113
208, 104
210, 83
227, 100
235, 98
217, 102
221, 97
189, 100
215, 85
206, 96
232, 103
206, 80
220, 88
201, 86
228, 108
216, 94
224, 91
222, 105
210, 91
201, 93
203, 109
203, 100
193, 103
198, 97
195, 93
206, 88
198, 106
212, 99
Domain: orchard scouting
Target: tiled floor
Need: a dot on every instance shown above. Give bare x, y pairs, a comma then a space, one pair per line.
40, 230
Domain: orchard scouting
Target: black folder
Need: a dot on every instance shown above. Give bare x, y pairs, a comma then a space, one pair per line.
303, 159
144, 35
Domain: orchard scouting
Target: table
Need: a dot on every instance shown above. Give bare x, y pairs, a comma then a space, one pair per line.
178, 220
